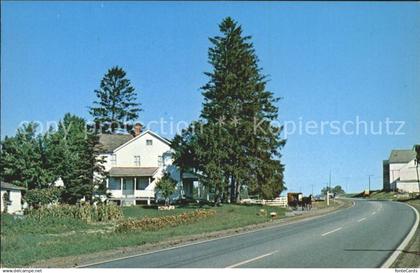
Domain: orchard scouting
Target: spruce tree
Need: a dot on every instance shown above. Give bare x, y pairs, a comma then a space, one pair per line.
236, 93
238, 144
116, 106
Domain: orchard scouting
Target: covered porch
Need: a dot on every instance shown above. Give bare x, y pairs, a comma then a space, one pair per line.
130, 185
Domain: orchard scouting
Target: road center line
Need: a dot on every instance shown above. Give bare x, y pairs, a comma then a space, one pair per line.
360, 220
334, 230
373, 213
251, 260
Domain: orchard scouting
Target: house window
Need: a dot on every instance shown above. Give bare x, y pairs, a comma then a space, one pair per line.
114, 159
137, 160
160, 161
114, 183
142, 183
149, 142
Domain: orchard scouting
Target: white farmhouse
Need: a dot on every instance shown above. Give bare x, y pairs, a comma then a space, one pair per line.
11, 196
400, 171
135, 163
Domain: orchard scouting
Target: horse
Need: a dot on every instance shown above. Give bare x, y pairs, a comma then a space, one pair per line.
306, 202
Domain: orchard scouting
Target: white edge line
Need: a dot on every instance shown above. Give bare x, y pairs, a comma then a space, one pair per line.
214, 239
251, 260
360, 220
329, 232
391, 259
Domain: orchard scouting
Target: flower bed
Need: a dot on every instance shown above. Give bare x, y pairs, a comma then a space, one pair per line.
156, 223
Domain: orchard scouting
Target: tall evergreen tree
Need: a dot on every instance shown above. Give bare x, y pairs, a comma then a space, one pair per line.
239, 144
116, 106
236, 93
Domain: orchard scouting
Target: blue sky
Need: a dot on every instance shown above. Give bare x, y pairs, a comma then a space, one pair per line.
333, 61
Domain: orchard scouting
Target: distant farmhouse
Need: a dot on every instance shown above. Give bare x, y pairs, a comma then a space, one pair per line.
400, 171
135, 163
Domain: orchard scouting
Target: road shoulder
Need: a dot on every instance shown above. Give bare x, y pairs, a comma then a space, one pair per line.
98, 257
409, 257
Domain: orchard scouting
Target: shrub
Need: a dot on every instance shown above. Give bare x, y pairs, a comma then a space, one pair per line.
166, 186
40, 197
85, 212
156, 223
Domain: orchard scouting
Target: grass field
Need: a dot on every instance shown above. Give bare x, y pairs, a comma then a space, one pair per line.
25, 241
323, 204
410, 256
384, 195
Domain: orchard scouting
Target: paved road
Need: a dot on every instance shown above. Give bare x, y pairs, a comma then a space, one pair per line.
364, 235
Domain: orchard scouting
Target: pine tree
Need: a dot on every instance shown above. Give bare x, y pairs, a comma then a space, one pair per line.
116, 106
238, 144
236, 93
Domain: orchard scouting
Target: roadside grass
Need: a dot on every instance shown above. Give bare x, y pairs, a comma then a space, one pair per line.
381, 195
25, 242
385, 195
152, 211
323, 204
349, 195
409, 258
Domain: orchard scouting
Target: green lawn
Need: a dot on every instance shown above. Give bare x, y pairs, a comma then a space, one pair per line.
384, 195
24, 242
410, 257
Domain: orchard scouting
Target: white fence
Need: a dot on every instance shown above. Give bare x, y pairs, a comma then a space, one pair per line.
278, 202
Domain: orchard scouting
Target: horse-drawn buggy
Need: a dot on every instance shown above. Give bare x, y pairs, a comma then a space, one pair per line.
296, 199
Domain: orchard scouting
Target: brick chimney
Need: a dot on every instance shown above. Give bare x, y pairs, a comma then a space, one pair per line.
137, 129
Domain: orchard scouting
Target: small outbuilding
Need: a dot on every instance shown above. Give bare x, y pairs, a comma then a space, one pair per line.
11, 198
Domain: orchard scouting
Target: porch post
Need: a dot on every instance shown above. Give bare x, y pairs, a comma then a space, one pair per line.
122, 182
135, 185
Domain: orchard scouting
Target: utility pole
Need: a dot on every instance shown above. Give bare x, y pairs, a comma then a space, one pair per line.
370, 175
328, 190
329, 181
347, 183
312, 189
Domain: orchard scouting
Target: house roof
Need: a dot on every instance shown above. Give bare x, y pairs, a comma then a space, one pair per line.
401, 156
165, 140
110, 142
132, 171
9, 186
